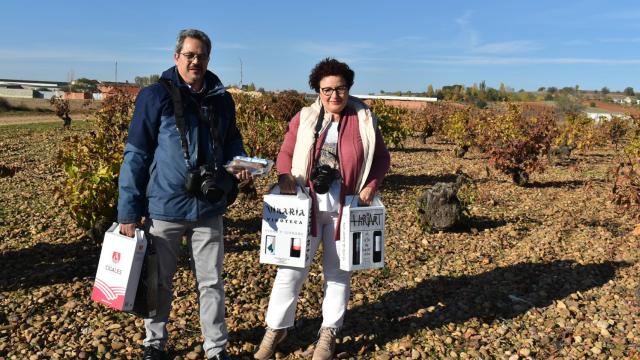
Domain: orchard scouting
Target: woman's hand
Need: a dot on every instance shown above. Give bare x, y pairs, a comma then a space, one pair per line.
287, 184
366, 196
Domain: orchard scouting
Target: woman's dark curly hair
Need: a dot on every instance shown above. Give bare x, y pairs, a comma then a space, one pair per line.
330, 67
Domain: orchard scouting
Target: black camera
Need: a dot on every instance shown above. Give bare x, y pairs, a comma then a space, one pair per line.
212, 183
322, 176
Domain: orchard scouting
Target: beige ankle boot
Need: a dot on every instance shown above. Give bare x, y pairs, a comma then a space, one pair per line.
326, 344
269, 342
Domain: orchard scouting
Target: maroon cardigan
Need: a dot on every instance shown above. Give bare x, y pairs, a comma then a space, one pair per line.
351, 157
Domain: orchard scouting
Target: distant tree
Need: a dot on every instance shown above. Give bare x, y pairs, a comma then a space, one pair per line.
452, 92
502, 89
143, 81
605, 90
83, 85
567, 90
541, 89
492, 95
552, 89
430, 91
569, 104
250, 87
629, 91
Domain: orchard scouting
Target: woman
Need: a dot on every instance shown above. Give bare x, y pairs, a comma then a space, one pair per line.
346, 155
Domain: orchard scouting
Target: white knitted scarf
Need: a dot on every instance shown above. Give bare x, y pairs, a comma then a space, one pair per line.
304, 140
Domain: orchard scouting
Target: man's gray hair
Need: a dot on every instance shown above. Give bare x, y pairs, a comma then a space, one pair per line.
192, 33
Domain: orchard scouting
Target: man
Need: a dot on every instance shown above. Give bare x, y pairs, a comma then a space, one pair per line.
163, 179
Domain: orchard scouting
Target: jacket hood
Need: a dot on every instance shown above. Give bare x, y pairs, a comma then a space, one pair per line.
212, 84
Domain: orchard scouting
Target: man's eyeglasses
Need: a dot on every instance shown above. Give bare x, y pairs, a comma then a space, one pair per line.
191, 56
328, 91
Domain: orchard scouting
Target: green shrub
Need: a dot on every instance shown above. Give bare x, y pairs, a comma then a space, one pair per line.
390, 122
62, 109
284, 105
517, 141
92, 162
261, 132
458, 130
578, 131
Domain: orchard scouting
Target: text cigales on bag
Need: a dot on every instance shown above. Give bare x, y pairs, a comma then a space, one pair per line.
119, 269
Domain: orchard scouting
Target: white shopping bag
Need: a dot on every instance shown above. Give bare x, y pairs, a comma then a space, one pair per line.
361, 244
119, 268
285, 229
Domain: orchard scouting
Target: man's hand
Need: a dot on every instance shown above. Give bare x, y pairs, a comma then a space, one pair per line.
366, 196
128, 229
287, 184
243, 176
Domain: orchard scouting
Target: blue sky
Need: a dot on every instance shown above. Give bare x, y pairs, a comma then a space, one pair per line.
404, 46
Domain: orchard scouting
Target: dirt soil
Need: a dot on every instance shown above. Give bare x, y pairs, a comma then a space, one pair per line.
28, 119
36, 118
546, 271
617, 108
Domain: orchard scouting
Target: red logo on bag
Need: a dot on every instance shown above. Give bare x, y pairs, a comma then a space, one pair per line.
115, 257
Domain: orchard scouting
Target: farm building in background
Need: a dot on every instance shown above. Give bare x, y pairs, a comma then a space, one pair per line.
599, 116
34, 89
31, 89
624, 100
407, 102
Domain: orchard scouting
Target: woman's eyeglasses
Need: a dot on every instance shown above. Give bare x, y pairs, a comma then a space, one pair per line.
328, 91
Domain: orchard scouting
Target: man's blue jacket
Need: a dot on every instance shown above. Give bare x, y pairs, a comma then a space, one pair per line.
152, 175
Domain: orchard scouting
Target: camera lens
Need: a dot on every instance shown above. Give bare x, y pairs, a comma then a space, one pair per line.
322, 177
210, 190
320, 188
192, 181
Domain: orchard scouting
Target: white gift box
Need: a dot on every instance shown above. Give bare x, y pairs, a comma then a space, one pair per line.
285, 229
361, 244
119, 268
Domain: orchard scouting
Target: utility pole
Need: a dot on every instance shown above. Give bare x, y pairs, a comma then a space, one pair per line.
116, 72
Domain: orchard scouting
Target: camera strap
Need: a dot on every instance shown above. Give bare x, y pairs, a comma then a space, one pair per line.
178, 111
316, 134
212, 122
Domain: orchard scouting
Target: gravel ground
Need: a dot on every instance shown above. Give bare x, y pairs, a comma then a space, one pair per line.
547, 271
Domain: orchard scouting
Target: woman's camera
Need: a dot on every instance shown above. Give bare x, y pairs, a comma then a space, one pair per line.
322, 176
207, 181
